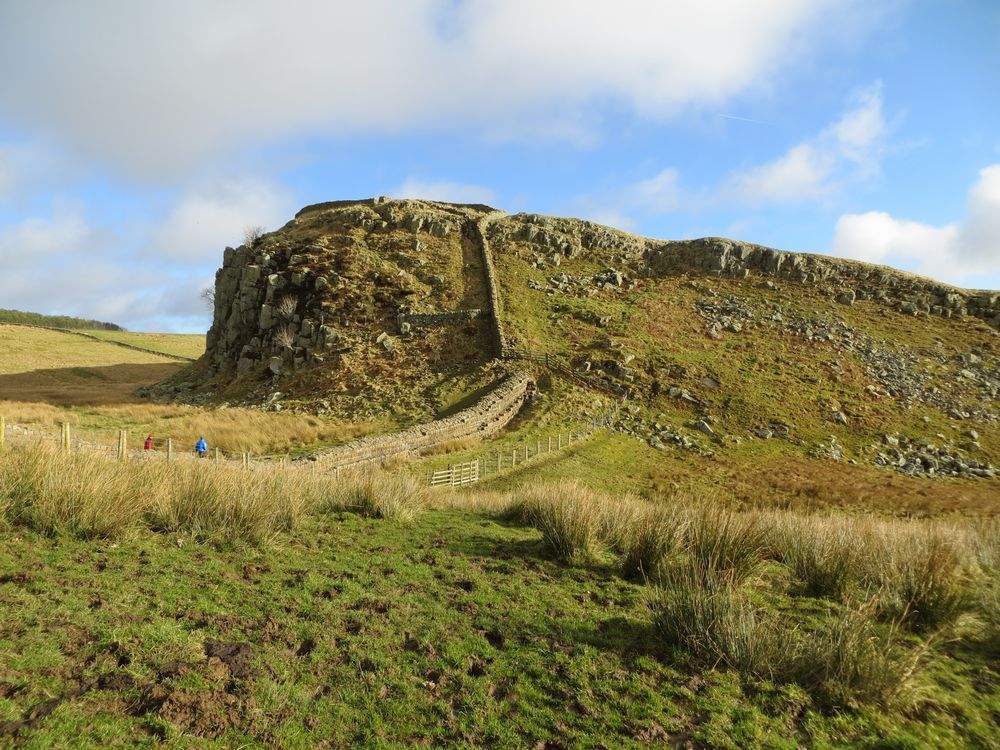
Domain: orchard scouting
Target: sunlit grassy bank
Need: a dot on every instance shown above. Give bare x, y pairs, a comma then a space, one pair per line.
201, 603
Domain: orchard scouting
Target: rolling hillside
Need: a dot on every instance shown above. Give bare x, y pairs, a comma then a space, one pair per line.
786, 377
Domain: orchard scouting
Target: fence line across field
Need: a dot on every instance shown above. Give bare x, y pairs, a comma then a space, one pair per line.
495, 462
487, 464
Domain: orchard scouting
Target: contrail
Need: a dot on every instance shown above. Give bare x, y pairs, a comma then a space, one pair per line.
745, 119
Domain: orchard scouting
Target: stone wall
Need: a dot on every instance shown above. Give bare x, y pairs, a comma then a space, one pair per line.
850, 280
492, 287
436, 320
489, 415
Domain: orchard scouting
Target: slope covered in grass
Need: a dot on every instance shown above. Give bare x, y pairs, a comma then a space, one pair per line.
483, 620
48, 377
190, 345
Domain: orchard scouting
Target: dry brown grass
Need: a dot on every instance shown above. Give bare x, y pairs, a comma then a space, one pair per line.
89, 496
233, 430
452, 446
923, 573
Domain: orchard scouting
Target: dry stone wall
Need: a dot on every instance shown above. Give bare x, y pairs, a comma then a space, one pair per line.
489, 415
492, 285
435, 320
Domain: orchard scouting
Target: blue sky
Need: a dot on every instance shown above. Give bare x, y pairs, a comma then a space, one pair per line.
137, 140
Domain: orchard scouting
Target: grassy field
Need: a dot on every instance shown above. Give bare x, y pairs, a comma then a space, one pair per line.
47, 377
191, 345
329, 617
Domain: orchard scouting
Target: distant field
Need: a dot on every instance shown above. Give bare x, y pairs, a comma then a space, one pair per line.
39, 365
190, 345
47, 377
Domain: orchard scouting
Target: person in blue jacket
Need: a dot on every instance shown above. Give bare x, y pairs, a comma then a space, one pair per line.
201, 447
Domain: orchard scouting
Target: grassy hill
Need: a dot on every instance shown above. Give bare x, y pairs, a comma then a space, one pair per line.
787, 538
189, 345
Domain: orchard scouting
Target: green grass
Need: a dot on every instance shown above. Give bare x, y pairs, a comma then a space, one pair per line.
190, 345
455, 629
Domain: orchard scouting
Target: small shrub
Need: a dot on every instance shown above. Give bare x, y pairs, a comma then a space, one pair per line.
396, 497
651, 538
824, 555
566, 513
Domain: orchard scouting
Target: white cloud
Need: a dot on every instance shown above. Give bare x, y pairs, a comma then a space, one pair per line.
659, 193
845, 151
214, 214
966, 252
36, 240
443, 190
611, 218
155, 87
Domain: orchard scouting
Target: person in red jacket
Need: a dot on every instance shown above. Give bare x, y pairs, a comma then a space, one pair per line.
148, 445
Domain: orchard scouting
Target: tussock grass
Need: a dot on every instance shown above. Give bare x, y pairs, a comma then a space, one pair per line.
849, 658
89, 496
854, 658
826, 555
650, 538
701, 560
397, 497
568, 515
726, 541
928, 583
701, 611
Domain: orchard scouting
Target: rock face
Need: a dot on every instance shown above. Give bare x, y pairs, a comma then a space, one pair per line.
335, 278
545, 241
856, 281
340, 274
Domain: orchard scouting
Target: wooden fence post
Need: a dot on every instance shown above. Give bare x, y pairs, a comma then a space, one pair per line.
559, 441
217, 455
246, 459
3, 432
513, 458
170, 449
122, 445
550, 443
525, 451
538, 447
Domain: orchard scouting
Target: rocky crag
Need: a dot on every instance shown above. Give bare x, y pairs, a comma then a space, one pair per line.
306, 294
551, 240
374, 301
